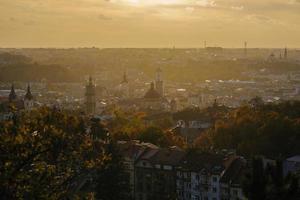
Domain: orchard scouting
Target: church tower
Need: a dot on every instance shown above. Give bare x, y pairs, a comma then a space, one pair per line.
125, 86
90, 95
28, 99
285, 53
12, 95
245, 49
159, 82
125, 80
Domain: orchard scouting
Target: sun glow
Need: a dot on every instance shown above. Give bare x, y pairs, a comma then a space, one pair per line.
152, 2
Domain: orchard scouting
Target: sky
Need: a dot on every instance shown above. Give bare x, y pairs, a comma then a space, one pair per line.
149, 23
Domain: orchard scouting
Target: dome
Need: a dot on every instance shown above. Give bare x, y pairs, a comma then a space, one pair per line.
152, 93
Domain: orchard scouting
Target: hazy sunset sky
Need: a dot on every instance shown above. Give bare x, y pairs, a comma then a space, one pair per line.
149, 23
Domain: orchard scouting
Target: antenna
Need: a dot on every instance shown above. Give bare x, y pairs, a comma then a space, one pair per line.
245, 48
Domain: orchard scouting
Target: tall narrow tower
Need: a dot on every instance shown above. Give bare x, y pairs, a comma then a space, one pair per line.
245, 49
12, 95
125, 80
159, 82
28, 99
90, 97
285, 53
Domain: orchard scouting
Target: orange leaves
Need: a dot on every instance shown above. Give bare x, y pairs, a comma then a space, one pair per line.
19, 139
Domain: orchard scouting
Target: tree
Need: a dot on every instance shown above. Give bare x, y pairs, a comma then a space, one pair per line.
267, 130
155, 136
46, 154
203, 142
268, 183
98, 131
112, 183
255, 183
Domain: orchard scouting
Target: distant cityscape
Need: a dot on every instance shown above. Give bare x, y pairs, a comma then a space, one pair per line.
127, 87
187, 110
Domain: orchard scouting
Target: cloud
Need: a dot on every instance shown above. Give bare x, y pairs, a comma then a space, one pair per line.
103, 17
293, 1
190, 9
206, 3
238, 8
12, 19
256, 18
29, 23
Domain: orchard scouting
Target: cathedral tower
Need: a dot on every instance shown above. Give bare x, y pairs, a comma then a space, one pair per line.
28, 99
159, 82
12, 95
285, 53
90, 95
125, 80
245, 49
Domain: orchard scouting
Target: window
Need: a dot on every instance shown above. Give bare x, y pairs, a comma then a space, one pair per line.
140, 186
167, 167
235, 192
148, 187
214, 189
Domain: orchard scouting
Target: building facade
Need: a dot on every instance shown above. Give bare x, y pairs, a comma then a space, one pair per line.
156, 174
198, 177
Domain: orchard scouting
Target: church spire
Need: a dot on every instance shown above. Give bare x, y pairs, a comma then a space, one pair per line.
245, 48
28, 99
12, 94
125, 80
90, 95
159, 82
285, 53
28, 94
158, 74
90, 80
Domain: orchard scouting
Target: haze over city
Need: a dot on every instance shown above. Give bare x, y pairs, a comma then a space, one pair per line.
149, 23
149, 99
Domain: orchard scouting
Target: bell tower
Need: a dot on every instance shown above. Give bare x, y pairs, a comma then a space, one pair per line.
159, 84
285, 53
90, 95
12, 95
28, 99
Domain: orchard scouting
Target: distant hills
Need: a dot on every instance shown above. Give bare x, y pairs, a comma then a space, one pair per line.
180, 65
21, 68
